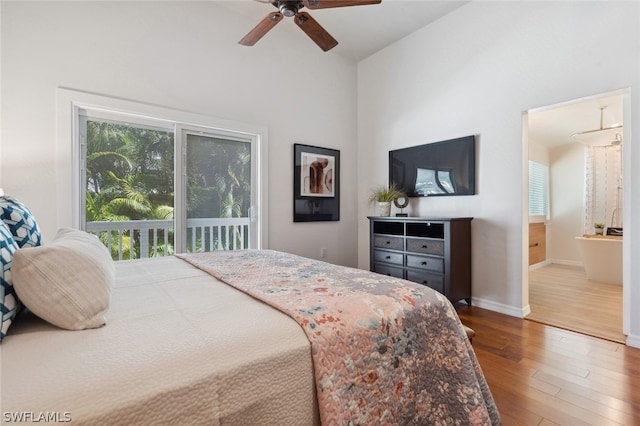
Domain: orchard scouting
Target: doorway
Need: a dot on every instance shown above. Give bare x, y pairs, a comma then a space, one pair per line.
557, 288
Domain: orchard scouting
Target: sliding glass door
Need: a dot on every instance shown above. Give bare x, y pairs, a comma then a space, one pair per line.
155, 187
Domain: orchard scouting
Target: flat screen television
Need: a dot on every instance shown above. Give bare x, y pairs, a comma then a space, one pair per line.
435, 169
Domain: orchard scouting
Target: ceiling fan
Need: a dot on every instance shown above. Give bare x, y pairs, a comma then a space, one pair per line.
309, 25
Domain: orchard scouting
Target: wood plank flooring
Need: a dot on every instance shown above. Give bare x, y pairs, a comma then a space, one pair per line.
561, 295
543, 375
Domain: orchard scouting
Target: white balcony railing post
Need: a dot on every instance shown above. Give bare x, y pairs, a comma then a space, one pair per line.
203, 234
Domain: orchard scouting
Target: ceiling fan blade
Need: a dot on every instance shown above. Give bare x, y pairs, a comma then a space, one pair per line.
261, 29
318, 34
325, 4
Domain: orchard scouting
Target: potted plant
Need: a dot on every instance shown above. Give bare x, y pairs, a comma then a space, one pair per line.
383, 196
599, 228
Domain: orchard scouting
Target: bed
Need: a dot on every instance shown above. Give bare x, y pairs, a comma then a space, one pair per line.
254, 337
179, 347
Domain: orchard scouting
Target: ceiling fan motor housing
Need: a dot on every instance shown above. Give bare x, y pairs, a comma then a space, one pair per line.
288, 8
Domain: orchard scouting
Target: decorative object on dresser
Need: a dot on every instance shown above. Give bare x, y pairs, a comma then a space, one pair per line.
383, 196
435, 252
401, 202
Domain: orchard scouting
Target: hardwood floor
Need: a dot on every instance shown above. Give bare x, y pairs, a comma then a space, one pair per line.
543, 375
561, 295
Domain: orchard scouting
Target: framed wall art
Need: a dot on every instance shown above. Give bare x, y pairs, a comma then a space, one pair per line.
316, 183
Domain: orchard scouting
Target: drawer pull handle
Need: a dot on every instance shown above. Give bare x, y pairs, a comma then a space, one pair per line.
424, 246
388, 257
388, 242
425, 282
424, 263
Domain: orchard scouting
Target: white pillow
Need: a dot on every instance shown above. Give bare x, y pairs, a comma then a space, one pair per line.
67, 282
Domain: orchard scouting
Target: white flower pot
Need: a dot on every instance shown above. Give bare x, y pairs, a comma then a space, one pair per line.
384, 208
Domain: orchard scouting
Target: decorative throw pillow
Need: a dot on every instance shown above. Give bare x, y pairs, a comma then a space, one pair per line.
9, 303
67, 282
20, 221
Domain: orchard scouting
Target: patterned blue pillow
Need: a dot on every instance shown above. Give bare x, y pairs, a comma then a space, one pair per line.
21, 223
9, 303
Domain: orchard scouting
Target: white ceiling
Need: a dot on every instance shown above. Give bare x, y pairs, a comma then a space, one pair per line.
360, 30
554, 126
363, 30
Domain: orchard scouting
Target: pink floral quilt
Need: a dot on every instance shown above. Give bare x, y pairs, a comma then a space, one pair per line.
386, 351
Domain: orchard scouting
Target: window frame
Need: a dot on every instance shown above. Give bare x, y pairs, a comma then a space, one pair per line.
71, 103
84, 115
180, 215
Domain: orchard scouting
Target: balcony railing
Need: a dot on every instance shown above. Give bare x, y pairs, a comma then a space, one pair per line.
133, 239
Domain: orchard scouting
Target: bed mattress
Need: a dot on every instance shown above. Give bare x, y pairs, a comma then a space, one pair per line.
179, 347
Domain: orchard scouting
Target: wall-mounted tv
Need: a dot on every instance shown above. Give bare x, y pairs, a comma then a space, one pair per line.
435, 169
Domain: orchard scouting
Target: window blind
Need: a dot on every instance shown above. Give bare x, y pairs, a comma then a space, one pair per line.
538, 189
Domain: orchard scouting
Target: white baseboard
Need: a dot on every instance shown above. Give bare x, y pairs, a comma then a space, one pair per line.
501, 308
568, 262
633, 341
539, 265
548, 262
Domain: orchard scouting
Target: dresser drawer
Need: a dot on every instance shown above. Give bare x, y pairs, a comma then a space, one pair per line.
420, 245
432, 280
425, 262
388, 257
393, 243
392, 271
434, 252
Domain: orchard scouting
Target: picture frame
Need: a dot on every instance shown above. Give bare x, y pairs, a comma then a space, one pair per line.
316, 183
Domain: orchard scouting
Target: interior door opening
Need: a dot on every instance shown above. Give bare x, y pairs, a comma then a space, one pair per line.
556, 287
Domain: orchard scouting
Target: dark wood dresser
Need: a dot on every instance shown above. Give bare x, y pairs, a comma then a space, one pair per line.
435, 252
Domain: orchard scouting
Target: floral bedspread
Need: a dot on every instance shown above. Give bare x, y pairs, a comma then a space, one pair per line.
386, 351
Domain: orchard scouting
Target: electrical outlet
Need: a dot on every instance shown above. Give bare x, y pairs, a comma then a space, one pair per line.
323, 252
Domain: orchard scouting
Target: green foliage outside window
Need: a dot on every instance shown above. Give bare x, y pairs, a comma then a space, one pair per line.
130, 176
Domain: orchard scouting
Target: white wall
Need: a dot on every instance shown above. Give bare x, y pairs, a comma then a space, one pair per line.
538, 152
184, 56
567, 203
474, 72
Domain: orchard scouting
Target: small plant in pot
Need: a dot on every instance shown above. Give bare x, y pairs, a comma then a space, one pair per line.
599, 228
383, 196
